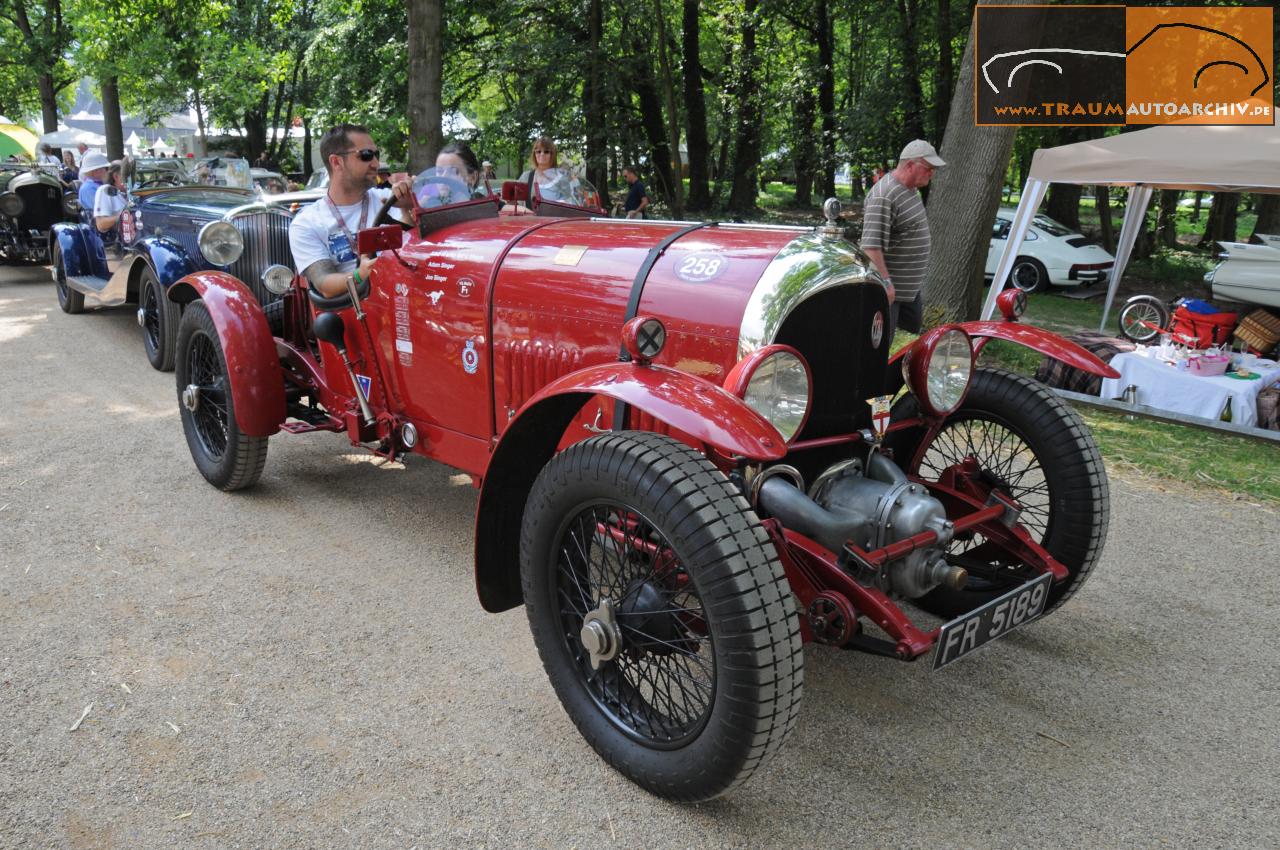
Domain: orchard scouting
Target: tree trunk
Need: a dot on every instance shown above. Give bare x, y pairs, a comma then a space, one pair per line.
48, 103
593, 107
1064, 204
803, 158
1220, 226
1195, 210
746, 147
944, 79
306, 147
202, 137
112, 128
654, 127
695, 109
1102, 194
963, 204
426, 67
673, 115
1167, 223
913, 96
826, 99
1268, 217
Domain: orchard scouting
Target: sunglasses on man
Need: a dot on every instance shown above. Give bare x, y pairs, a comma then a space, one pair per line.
365, 154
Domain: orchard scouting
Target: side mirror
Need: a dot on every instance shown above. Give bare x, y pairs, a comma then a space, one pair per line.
514, 191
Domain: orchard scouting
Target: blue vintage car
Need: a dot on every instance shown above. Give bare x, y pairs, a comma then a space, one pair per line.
164, 234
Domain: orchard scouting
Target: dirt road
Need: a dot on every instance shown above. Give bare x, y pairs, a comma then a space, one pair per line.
305, 665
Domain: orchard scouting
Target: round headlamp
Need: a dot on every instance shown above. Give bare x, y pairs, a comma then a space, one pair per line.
220, 243
277, 279
938, 368
774, 382
70, 204
11, 204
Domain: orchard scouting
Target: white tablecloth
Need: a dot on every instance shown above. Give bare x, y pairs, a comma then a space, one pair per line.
1160, 385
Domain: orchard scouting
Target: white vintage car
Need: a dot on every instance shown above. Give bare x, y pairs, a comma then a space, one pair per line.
1248, 273
1050, 254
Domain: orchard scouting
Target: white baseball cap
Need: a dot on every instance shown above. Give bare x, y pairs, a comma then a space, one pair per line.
920, 149
92, 161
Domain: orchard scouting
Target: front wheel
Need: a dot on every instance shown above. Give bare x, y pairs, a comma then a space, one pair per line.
661, 613
159, 318
1142, 317
1035, 448
228, 458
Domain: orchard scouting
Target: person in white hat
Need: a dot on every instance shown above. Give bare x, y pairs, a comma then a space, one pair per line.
93, 171
895, 232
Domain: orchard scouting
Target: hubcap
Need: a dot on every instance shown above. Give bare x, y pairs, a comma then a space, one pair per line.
142, 318
600, 635
191, 397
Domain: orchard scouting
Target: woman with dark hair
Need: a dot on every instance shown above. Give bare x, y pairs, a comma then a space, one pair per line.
459, 156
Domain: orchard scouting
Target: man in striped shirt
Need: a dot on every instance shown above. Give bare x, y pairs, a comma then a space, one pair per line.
895, 232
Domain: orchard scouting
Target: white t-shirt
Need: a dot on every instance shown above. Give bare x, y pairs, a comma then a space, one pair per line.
316, 235
107, 204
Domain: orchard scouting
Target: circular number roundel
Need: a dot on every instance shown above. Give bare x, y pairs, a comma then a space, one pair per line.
700, 267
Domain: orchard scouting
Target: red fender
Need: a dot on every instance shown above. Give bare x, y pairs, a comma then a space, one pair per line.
1037, 339
687, 403
253, 366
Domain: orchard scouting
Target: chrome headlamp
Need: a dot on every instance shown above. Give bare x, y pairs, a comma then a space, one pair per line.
938, 369
220, 243
775, 382
70, 204
277, 279
11, 204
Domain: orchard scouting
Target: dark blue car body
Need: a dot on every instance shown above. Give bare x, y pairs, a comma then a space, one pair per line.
156, 243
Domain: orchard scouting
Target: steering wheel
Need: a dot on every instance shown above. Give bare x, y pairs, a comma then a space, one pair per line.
158, 181
383, 215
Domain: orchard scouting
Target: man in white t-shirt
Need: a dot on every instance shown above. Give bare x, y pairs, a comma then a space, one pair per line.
323, 235
108, 201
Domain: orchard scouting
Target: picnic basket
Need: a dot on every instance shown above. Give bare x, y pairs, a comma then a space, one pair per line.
1260, 330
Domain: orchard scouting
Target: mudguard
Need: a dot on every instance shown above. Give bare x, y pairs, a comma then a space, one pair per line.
1037, 339
168, 260
81, 248
253, 366
689, 404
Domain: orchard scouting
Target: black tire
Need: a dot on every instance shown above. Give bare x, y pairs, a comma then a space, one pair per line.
71, 301
160, 318
1139, 309
1045, 457
226, 457
1029, 275
707, 685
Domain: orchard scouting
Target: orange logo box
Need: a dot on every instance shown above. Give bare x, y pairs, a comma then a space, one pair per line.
1199, 65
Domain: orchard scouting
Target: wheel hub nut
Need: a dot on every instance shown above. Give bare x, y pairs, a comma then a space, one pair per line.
191, 397
142, 318
600, 635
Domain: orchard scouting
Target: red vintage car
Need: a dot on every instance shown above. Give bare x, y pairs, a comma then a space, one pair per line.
688, 460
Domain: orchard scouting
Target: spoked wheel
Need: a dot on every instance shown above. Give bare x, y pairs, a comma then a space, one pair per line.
225, 456
1142, 317
1032, 446
159, 318
69, 300
661, 613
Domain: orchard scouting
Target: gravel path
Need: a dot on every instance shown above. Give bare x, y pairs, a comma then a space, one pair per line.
306, 665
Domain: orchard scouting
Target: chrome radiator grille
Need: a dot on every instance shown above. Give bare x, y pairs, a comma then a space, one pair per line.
266, 243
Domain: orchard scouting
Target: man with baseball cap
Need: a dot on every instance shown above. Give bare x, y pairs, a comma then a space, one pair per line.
93, 171
895, 232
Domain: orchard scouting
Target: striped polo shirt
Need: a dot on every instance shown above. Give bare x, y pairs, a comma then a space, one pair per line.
893, 220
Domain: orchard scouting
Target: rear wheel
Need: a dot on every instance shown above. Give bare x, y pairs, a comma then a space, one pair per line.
1033, 446
661, 613
159, 318
228, 458
1029, 275
1142, 317
69, 299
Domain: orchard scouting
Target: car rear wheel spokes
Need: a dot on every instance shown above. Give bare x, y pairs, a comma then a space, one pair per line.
659, 682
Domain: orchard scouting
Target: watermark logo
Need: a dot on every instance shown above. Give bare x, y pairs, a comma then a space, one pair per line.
1111, 65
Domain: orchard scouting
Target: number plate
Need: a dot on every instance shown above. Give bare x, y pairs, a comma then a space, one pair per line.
995, 619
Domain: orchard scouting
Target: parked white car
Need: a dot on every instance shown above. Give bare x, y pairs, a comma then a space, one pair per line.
1248, 273
1050, 254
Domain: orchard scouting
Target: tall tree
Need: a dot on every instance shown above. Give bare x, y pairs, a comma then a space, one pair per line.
41, 51
695, 108
673, 114
908, 45
746, 99
963, 204
1268, 217
824, 39
945, 79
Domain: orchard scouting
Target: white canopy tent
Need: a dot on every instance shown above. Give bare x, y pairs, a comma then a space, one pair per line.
67, 137
1192, 158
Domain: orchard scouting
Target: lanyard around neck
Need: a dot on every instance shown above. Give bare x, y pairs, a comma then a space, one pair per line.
364, 211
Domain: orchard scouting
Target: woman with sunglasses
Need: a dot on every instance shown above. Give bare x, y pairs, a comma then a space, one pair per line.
545, 174
322, 235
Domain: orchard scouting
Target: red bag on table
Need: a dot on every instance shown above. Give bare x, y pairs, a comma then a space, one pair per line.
1205, 329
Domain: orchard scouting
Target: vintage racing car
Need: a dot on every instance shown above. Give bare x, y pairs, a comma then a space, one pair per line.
32, 201
163, 234
686, 454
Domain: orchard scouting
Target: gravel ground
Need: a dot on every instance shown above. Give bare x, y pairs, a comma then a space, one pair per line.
305, 665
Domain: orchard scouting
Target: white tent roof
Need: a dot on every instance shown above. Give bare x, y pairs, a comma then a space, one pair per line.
1243, 158
66, 137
